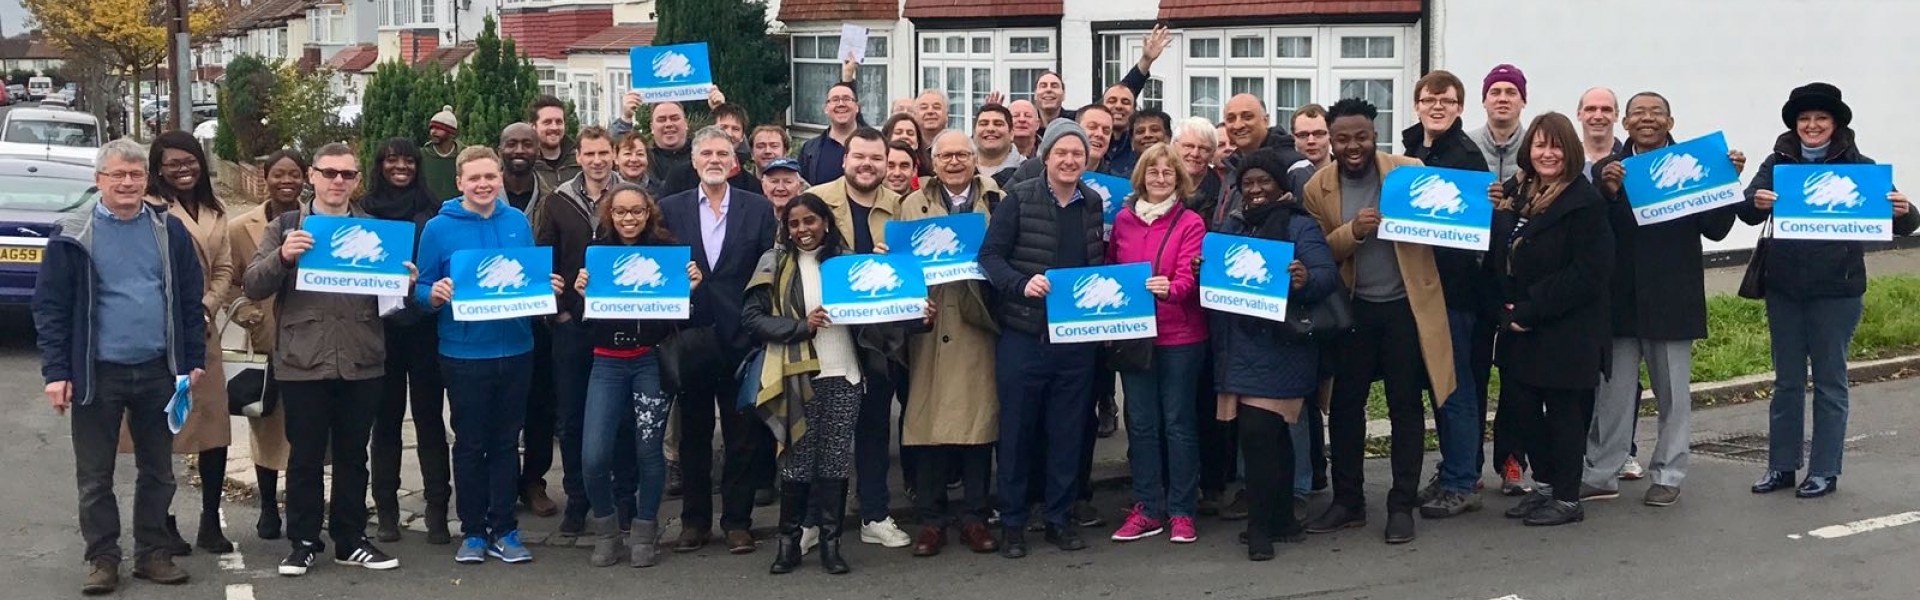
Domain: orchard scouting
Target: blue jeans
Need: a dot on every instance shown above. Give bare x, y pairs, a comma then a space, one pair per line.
1160, 418
489, 401
1812, 331
625, 423
1300, 433
1458, 420
1046, 393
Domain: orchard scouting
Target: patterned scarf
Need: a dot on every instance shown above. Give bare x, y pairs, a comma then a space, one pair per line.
786, 373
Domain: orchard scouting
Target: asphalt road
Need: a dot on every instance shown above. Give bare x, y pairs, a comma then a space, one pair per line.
1719, 542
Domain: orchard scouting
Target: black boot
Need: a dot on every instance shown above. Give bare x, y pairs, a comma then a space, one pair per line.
830, 510
387, 514
175, 544
436, 518
793, 508
211, 538
267, 480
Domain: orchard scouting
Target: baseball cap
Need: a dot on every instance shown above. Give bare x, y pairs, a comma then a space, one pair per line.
778, 164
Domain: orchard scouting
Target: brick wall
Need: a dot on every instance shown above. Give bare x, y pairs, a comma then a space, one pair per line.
547, 33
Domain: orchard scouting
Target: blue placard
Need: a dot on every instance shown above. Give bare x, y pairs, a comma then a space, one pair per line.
1683, 179
356, 256
638, 282
1437, 207
1246, 276
948, 248
502, 283
674, 73
1113, 191
1833, 202
872, 288
1097, 304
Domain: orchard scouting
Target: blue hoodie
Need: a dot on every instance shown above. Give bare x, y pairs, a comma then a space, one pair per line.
457, 228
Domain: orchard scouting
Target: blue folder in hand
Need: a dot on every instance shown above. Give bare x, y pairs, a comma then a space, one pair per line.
180, 405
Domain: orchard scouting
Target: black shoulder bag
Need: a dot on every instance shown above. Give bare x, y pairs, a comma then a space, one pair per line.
1323, 320
1136, 355
1753, 284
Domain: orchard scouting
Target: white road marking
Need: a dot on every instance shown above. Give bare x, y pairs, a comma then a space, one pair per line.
1510, 597
240, 591
1861, 526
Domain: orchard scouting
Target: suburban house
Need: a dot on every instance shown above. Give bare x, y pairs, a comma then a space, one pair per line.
410, 30
29, 52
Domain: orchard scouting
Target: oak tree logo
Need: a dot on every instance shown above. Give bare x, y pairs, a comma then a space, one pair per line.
873, 277
1098, 294
1677, 172
499, 273
932, 242
1436, 195
635, 271
355, 244
1832, 192
672, 66
1248, 267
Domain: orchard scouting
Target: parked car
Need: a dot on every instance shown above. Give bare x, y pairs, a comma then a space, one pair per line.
39, 87
17, 91
34, 195
50, 134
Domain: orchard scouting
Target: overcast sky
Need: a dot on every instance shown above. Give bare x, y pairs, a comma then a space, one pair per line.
13, 17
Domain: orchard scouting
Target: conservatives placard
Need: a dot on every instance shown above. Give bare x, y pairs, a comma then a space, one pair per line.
948, 248
1113, 192
356, 256
1833, 202
1683, 179
674, 73
1437, 207
1097, 304
502, 283
1246, 276
638, 282
872, 288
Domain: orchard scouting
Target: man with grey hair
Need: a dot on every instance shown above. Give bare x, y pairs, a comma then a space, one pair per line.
110, 353
930, 111
729, 229
1025, 127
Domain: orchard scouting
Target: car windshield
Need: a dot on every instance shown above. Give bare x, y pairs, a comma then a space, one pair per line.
57, 133
43, 194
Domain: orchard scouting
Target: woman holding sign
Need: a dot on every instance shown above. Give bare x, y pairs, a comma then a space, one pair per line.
1260, 365
1813, 290
809, 384
626, 384
1552, 254
1156, 228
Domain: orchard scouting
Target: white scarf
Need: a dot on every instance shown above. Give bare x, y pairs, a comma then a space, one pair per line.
1152, 211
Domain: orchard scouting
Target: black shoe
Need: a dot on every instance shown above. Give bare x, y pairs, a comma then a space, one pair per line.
572, 524
365, 555
674, 485
1109, 420
268, 527
1818, 485
1085, 515
387, 520
1338, 517
436, 517
300, 560
175, 544
1399, 527
1259, 545
1556, 512
1066, 537
1532, 502
1773, 481
1013, 542
211, 538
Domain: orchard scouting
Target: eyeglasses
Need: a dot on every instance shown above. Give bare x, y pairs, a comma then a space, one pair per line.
347, 174
624, 212
1431, 102
840, 100
174, 165
953, 156
125, 175
1310, 134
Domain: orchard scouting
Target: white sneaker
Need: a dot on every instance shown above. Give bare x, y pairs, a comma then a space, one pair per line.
1632, 470
809, 537
885, 533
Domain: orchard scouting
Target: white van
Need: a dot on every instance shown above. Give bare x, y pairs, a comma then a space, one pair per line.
39, 87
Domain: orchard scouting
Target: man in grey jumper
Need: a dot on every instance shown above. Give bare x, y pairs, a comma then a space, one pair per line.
1504, 94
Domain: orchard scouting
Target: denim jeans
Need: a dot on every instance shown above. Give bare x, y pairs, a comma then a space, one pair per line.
489, 400
625, 422
136, 395
1299, 434
1811, 331
1459, 420
1160, 418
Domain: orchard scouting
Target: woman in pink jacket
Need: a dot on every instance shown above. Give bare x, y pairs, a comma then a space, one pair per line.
1157, 228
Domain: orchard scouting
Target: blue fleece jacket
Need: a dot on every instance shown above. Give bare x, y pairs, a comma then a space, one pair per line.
457, 228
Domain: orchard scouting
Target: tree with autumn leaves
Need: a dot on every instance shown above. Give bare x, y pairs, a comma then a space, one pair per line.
128, 36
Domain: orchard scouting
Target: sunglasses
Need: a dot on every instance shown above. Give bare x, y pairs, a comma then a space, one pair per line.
347, 174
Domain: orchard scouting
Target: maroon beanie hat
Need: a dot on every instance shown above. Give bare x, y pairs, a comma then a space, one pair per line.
1505, 73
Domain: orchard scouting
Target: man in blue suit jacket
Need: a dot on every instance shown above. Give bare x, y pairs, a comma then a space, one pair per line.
728, 229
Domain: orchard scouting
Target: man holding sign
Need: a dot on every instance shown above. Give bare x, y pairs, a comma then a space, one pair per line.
951, 424
331, 353
1659, 305
1048, 222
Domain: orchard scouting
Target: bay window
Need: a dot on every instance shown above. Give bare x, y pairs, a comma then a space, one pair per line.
816, 67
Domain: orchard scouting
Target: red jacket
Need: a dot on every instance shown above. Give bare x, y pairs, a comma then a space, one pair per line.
1179, 317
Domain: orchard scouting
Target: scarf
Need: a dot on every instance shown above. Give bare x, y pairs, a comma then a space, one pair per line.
1152, 211
787, 370
1814, 155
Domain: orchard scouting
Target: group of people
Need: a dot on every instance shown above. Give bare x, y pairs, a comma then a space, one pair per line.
1572, 297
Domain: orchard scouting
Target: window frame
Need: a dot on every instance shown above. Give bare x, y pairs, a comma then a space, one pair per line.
1000, 63
872, 78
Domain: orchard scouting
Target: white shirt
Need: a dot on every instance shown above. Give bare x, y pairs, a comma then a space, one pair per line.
713, 228
955, 200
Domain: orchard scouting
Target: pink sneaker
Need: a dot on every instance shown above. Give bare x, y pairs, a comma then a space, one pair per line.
1183, 532
1138, 525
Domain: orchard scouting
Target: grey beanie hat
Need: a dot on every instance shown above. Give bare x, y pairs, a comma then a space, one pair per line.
1061, 128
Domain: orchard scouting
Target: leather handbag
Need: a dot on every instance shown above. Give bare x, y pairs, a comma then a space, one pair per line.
1136, 355
251, 391
1326, 319
1753, 284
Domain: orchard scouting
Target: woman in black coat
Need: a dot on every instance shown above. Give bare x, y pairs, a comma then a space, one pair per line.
1813, 294
1552, 255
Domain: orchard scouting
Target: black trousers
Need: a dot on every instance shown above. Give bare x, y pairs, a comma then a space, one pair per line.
749, 449
541, 429
1554, 422
328, 415
1267, 442
975, 465
1384, 344
412, 381
1217, 446
139, 393
1507, 443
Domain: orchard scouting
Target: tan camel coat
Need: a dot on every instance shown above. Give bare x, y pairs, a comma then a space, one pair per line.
950, 385
207, 427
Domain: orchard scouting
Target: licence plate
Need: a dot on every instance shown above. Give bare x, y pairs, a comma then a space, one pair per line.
20, 255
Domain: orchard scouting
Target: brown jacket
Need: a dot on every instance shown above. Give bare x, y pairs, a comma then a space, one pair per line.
268, 434
885, 204
1417, 271
321, 335
950, 368
207, 427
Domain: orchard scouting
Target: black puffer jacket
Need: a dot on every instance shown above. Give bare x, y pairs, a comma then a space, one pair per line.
1801, 269
1465, 284
1021, 239
1659, 275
